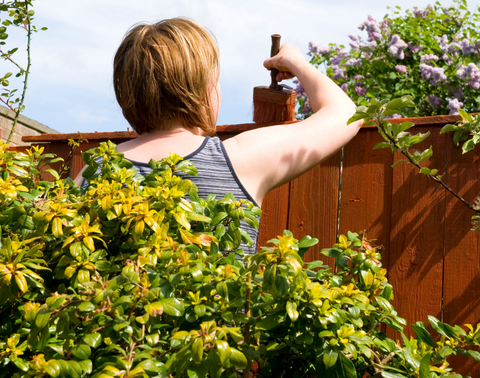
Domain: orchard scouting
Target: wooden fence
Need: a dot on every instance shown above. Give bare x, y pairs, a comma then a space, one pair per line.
432, 256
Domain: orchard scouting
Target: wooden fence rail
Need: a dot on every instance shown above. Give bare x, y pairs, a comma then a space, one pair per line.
432, 256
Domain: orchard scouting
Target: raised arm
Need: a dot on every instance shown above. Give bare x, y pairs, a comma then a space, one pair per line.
271, 156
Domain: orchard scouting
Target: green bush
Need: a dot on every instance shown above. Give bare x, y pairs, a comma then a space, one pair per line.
129, 279
429, 54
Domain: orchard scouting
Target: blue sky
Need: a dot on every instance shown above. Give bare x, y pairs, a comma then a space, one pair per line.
70, 84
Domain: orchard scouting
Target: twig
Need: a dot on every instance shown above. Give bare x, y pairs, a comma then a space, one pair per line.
246, 336
27, 72
436, 179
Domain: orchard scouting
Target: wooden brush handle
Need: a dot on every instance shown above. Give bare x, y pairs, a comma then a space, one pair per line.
274, 51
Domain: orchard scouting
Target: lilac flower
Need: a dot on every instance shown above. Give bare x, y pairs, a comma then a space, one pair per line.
359, 84
344, 87
354, 62
467, 48
299, 90
447, 11
454, 105
401, 69
318, 48
360, 91
414, 48
397, 45
384, 25
307, 109
358, 77
366, 55
428, 57
393, 116
447, 59
435, 74
442, 41
373, 29
355, 42
338, 73
434, 101
470, 72
337, 59
422, 13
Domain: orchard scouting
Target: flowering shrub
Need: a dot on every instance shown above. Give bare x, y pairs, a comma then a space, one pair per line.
129, 279
430, 54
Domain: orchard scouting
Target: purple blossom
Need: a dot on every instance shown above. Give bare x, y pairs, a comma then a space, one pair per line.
397, 45
344, 87
373, 29
358, 77
337, 59
384, 25
299, 90
361, 91
366, 55
307, 109
402, 69
434, 101
422, 13
443, 42
454, 105
359, 84
428, 57
447, 59
393, 116
414, 48
435, 74
355, 42
467, 48
447, 11
318, 48
338, 73
470, 72
353, 62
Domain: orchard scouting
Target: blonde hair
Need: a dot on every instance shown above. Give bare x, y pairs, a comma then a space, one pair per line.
162, 72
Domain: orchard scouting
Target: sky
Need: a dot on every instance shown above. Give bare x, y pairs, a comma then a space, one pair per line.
70, 86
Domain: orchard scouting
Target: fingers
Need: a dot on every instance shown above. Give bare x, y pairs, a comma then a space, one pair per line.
284, 76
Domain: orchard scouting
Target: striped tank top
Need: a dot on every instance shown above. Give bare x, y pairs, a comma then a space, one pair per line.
215, 176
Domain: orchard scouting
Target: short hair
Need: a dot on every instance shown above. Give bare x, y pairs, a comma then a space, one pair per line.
162, 72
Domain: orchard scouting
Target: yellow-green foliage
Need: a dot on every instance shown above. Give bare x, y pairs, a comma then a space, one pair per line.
128, 278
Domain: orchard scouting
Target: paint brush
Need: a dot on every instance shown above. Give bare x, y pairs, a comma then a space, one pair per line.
275, 103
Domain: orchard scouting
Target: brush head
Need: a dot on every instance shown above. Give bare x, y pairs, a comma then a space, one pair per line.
273, 105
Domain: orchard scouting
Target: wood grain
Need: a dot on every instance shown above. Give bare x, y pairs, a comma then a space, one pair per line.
417, 236
462, 248
313, 206
366, 193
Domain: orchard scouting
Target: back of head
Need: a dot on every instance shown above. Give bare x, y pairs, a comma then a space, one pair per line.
162, 73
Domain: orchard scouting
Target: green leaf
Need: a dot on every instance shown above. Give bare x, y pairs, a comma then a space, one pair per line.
282, 285
172, 307
224, 350
86, 307
449, 127
330, 357
197, 350
94, 340
238, 359
53, 368
384, 304
469, 353
425, 366
345, 367
292, 310
42, 318
423, 334
269, 322
382, 145
442, 328
82, 351
400, 103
